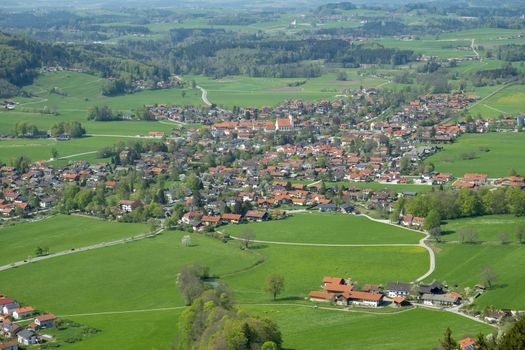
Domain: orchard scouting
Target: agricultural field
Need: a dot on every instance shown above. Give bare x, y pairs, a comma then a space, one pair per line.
306, 328
461, 265
506, 101
60, 233
327, 229
303, 268
495, 154
84, 295
487, 228
248, 92
76, 149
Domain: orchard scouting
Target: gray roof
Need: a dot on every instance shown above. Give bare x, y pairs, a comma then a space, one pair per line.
399, 286
439, 297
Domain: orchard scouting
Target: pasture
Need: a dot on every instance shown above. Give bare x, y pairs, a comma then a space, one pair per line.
139, 278
487, 228
461, 265
495, 154
307, 328
60, 233
507, 101
326, 229
248, 91
76, 149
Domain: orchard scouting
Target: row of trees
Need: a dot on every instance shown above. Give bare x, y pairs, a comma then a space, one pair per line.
73, 129
212, 321
451, 204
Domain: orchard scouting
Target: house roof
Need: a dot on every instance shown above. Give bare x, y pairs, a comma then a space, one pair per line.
46, 317
363, 296
255, 214
337, 288
5, 301
320, 295
399, 286
333, 280
24, 310
231, 216
464, 343
8, 344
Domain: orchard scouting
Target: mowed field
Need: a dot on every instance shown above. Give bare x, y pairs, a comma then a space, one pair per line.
488, 228
320, 329
504, 153
76, 149
83, 91
327, 229
509, 100
60, 233
135, 303
461, 265
249, 92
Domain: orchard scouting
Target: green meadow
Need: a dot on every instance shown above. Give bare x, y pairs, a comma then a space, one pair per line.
85, 148
306, 328
249, 92
139, 277
461, 265
487, 228
504, 151
60, 233
507, 101
327, 229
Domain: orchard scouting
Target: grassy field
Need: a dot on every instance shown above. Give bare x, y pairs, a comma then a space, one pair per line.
504, 151
509, 101
461, 265
488, 228
141, 276
320, 329
304, 267
135, 276
60, 233
41, 149
327, 229
246, 91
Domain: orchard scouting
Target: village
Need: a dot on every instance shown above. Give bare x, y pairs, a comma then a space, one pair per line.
23, 325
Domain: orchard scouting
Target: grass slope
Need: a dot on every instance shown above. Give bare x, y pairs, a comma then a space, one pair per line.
462, 264
320, 329
488, 228
60, 233
504, 150
327, 229
304, 267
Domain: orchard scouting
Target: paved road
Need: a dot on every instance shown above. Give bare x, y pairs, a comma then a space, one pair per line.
78, 250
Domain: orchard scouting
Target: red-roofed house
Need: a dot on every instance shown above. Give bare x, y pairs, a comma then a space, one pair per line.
467, 344
45, 321
321, 296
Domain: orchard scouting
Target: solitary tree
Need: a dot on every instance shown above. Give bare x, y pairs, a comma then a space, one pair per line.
504, 238
54, 153
275, 285
488, 277
186, 241
247, 237
436, 233
448, 343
